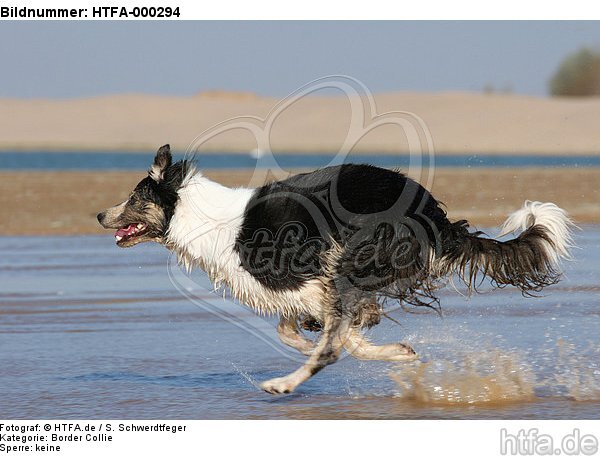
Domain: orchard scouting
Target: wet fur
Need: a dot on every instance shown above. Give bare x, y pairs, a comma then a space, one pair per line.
319, 249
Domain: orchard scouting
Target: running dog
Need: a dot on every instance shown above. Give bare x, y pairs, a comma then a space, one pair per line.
322, 250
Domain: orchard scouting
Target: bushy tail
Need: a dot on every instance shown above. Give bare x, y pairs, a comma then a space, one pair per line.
529, 262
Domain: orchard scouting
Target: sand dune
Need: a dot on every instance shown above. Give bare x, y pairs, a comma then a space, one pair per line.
459, 123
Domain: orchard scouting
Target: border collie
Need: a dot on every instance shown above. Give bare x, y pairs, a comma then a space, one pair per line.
320, 250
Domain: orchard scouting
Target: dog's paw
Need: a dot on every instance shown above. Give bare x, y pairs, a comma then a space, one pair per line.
406, 348
281, 385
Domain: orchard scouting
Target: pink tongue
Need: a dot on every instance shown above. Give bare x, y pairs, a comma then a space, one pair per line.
126, 231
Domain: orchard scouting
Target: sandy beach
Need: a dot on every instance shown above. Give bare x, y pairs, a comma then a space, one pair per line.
65, 203
459, 123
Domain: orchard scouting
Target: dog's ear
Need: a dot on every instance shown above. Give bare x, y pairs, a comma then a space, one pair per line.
162, 161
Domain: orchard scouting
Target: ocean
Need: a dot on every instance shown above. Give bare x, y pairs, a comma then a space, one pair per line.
100, 160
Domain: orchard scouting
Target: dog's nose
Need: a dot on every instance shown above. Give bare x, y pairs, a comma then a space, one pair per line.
101, 217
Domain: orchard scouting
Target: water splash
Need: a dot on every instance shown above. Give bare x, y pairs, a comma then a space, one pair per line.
577, 371
246, 376
474, 378
495, 376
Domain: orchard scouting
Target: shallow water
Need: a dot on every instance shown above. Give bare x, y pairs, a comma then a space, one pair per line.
88, 330
106, 160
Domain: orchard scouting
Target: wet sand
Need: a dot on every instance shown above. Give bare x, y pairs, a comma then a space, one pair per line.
66, 203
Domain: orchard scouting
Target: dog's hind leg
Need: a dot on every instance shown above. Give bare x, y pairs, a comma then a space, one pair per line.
326, 351
340, 304
289, 334
359, 347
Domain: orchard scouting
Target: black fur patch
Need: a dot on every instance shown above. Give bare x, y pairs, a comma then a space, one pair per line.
385, 222
166, 192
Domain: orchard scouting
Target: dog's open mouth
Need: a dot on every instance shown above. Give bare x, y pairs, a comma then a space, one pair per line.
132, 231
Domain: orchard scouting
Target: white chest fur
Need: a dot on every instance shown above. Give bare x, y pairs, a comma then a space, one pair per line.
203, 231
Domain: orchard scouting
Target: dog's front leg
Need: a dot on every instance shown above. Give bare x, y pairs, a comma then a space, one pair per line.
326, 352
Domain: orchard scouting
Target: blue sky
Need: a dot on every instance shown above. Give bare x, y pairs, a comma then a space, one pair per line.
74, 59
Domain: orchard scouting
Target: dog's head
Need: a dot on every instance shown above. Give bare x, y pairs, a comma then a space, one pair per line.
146, 214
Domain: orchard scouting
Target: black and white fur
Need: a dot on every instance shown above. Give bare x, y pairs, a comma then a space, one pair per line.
319, 249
